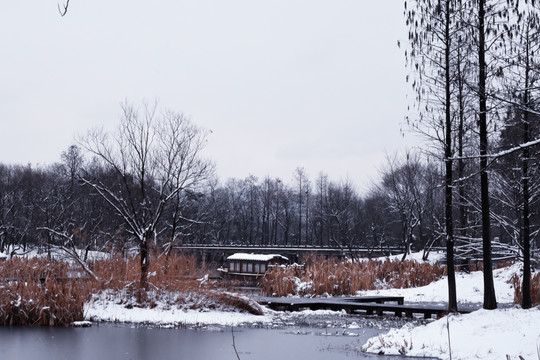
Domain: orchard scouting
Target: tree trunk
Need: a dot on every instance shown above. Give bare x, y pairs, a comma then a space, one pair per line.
145, 260
461, 135
300, 217
526, 302
526, 236
452, 297
490, 301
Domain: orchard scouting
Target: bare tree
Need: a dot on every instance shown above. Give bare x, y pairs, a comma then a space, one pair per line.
341, 211
304, 186
405, 186
320, 205
153, 158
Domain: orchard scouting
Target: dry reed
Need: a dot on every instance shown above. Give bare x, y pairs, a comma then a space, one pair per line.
516, 281
331, 276
175, 272
236, 302
40, 291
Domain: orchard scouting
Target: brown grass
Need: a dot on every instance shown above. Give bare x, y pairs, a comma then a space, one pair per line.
38, 291
336, 277
518, 290
175, 272
236, 302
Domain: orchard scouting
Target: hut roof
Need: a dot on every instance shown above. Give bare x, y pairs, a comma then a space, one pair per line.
256, 257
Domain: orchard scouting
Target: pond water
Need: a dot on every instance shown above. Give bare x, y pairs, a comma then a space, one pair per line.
109, 341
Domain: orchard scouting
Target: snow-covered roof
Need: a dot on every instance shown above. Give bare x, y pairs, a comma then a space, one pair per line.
255, 257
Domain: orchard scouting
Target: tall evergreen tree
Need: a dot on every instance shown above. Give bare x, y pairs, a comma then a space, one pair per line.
521, 76
432, 29
490, 301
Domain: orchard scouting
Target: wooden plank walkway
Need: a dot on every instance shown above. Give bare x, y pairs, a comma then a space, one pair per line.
368, 305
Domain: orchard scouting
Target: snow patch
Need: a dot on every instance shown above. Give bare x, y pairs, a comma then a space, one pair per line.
483, 334
469, 288
172, 310
81, 324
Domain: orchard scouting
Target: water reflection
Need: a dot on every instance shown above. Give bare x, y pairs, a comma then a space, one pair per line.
125, 342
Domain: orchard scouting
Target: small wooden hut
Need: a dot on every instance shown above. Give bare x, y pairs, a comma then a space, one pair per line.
242, 266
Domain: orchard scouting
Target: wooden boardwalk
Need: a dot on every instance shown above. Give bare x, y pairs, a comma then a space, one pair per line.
368, 305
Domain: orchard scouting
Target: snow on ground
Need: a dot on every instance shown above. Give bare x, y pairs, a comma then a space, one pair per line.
482, 334
113, 306
469, 288
433, 257
55, 253
160, 316
167, 311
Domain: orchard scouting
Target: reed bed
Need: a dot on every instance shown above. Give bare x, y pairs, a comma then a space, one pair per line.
174, 272
40, 291
321, 276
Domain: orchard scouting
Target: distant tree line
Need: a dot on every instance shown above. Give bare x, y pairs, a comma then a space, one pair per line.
45, 205
41, 206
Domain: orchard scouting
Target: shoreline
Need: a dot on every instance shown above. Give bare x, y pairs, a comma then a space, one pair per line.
109, 311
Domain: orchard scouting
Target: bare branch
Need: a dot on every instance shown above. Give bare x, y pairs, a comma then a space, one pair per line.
65, 8
70, 252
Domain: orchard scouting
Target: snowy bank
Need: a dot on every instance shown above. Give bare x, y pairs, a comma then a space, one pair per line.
434, 257
170, 317
483, 334
113, 307
469, 288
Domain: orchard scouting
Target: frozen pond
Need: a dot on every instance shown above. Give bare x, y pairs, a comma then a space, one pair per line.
108, 341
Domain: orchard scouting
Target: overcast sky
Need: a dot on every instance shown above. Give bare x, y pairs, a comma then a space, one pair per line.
281, 84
